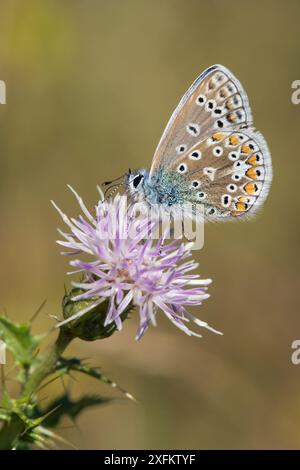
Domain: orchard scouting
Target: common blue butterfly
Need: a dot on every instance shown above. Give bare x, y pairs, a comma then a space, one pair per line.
209, 153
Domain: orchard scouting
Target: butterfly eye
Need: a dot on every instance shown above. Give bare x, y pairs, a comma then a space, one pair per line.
196, 155
201, 99
137, 180
201, 195
217, 151
182, 168
231, 188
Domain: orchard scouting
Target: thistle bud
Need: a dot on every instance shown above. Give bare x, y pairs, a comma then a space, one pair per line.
91, 325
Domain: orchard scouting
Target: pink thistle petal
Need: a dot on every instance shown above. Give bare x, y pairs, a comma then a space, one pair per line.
135, 271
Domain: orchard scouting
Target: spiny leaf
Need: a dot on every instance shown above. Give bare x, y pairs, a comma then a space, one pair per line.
64, 366
54, 437
42, 438
19, 340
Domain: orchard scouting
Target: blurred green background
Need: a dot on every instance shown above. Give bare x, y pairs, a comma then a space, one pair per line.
90, 87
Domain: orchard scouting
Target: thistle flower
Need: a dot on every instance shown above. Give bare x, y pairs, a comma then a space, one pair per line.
126, 267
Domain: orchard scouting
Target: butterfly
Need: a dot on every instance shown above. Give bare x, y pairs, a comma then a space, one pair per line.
209, 153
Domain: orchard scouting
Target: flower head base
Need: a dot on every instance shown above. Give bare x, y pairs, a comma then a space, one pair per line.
127, 267
92, 325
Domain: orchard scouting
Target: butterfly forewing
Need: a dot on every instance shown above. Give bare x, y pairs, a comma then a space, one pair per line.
215, 101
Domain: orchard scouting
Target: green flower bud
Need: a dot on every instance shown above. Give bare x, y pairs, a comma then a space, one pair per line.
90, 326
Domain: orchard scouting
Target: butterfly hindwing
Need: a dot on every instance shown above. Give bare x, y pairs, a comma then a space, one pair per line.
215, 101
228, 172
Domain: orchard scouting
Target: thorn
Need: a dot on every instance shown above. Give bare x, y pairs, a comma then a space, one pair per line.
36, 352
47, 383
40, 308
113, 384
54, 317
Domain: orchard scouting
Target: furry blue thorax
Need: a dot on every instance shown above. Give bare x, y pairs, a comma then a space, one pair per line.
161, 188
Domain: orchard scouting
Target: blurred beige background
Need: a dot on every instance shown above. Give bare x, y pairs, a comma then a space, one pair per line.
90, 87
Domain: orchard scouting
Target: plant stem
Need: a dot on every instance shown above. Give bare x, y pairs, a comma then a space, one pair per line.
12, 429
48, 362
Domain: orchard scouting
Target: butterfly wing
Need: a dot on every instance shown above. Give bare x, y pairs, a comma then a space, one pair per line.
215, 101
229, 172
210, 141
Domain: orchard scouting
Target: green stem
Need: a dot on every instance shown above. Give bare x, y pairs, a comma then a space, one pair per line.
11, 430
48, 362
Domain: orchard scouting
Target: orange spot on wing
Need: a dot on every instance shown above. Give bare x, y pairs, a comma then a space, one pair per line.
241, 206
250, 188
252, 160
242, 199
235, 213
251, 173
246, 149
218, 136
234, 140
